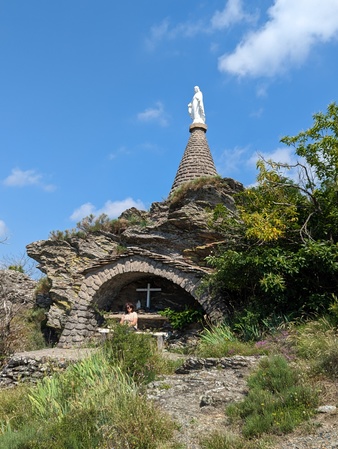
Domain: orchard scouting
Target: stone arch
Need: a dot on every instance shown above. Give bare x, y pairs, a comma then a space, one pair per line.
82, 322
113, 294
188, 281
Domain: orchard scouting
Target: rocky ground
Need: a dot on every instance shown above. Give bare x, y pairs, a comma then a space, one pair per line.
322, 431
198, 393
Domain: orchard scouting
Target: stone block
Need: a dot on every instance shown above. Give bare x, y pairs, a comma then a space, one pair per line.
77, 338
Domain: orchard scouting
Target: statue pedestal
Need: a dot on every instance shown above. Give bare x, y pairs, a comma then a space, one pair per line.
194, 126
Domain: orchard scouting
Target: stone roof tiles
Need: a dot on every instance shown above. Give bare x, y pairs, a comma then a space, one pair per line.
197, 161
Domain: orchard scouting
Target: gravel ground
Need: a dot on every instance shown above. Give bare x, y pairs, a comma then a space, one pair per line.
323, 437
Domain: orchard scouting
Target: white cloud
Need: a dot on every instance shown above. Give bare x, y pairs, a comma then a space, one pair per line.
231, 160
286, 39
261, 90
164, 31
232, 13
238, 161
48, 187
115, 208
257, 113
20, 178
159, 31
111, 208
283, 155
83, 211
154, 114
3, 229
24, 178
121, 151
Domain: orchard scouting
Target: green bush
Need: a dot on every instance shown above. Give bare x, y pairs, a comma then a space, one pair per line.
18, 268
180, 320
278, 399
43, 286
333, 309
250, 324
327, 362
23, 332
274, 375
136, 354
194, 185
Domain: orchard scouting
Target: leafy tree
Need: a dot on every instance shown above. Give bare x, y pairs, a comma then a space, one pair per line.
319, 147
281, 251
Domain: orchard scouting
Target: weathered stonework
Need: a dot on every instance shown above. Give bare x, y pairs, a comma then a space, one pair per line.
197, 161
17, 289
34, 365
100, 271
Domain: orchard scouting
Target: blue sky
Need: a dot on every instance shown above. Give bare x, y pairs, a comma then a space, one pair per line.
94, 94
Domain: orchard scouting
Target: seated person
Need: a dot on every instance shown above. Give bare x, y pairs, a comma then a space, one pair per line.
130, 317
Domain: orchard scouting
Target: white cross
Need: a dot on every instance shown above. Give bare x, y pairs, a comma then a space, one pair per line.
148, 290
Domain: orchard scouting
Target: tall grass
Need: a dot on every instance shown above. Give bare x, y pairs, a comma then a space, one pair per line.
99, 402
96, 403
136, 354
317, 342
14, 408
220, 341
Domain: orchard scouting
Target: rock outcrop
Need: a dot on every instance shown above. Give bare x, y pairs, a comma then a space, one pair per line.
98, 271
16, 290
197, 395
17, 296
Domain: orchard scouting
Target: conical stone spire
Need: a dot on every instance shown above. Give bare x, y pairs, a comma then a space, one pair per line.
197, 161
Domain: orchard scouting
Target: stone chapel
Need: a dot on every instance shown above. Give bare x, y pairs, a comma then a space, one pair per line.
155, 258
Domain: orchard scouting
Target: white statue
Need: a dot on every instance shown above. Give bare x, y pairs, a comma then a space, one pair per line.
196, 107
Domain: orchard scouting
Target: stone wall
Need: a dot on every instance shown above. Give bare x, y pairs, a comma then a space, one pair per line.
34, 365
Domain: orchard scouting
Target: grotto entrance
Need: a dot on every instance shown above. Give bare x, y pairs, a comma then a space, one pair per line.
150, 295
107, 287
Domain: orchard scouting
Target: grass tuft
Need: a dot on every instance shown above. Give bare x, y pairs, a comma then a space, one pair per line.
219, 341
317, 343
220, 440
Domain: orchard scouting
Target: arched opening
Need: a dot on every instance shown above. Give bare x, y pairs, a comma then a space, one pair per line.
107, 288
150, 293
